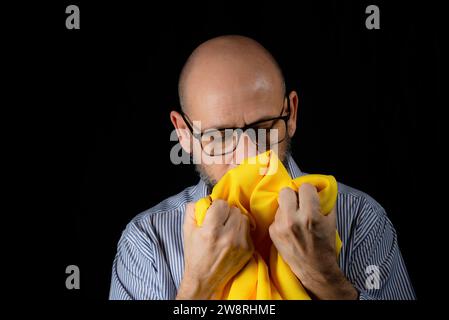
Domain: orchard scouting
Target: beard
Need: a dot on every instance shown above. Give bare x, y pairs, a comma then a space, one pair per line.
211, 182
208, 180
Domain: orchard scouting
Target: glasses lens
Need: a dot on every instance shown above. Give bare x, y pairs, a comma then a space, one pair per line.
264, 135
269, 133
219, 142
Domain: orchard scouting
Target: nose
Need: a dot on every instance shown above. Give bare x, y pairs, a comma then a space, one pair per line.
246, 148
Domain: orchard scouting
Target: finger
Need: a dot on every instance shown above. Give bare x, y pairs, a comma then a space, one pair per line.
246, 230
189, 217
309, 201
287, 200
234, 218
333, 213
217, 214
331, 217
245, 223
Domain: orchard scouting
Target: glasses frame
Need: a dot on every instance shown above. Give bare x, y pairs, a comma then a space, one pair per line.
241, 130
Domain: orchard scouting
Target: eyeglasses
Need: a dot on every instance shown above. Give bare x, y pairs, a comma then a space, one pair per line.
217, 142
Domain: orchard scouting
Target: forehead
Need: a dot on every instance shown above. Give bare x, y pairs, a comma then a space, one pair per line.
219, 103
232, 112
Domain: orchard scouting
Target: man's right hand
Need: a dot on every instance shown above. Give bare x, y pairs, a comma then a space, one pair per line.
214, 252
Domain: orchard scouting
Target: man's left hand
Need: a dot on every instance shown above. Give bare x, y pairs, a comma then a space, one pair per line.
305, 238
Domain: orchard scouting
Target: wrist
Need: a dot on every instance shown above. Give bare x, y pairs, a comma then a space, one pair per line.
331, 285
192, 288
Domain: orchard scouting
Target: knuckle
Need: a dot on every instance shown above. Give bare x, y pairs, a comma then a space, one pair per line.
289, 223
245, 219
307, 187
303, 219
237, 242
227, 239
286, 194
209, 234
308, 222
283, 192
234, 210
244, 246
315, 204
220, 204
272, 230
219, 207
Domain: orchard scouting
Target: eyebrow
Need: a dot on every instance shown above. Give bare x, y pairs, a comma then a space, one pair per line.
265, 118
231, 127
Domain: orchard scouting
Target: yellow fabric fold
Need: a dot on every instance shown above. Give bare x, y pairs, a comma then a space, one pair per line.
253, 187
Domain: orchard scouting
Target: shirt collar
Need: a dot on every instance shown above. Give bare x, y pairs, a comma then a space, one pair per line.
292, 168
202, 190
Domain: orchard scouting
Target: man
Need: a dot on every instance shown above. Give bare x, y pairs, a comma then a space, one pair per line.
233, 82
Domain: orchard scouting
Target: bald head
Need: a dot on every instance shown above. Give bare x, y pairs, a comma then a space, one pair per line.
226, 71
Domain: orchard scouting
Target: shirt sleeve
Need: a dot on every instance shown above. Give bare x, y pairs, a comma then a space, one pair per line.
133, 270
377, 268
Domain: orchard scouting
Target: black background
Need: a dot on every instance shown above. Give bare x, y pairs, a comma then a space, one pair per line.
369, 113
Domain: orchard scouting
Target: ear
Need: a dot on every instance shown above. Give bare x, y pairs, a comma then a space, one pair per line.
293, 97
182, 131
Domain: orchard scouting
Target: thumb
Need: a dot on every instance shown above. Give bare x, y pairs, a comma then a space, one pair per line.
189, 217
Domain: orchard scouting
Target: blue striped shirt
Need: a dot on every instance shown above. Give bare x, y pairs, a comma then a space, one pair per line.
149, 263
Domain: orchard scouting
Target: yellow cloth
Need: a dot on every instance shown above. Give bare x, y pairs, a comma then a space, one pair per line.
253, 187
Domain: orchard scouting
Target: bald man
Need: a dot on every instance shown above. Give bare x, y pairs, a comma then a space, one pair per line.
232, 82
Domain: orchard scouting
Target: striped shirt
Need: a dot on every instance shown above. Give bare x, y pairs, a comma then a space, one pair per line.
149, 263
